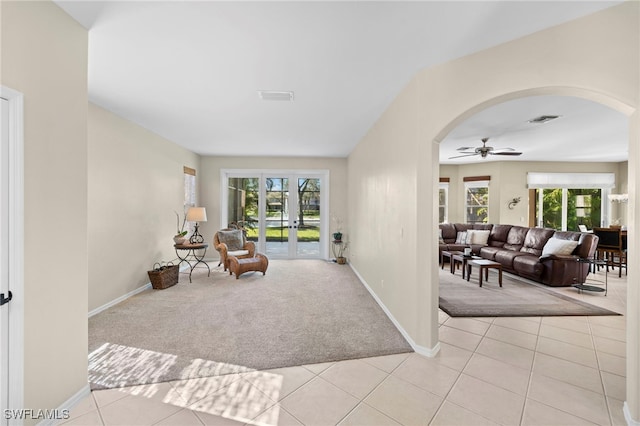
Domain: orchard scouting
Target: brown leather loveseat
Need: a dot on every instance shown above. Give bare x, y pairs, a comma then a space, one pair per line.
528, 252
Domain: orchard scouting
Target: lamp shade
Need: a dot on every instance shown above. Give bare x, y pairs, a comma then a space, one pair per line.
197, 214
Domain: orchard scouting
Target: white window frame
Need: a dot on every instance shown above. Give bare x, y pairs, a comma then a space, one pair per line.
476, 184
444, 186
190, 196
565, 181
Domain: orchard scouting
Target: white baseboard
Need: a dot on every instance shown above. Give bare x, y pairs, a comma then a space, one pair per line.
422, 350
627, 416
148, 285
61, 414
119, 299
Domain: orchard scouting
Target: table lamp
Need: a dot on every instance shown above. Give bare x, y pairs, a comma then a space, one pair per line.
196, 214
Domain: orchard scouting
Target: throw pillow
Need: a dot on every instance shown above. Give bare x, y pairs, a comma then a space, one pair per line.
441, 240
478, 237
461, 238
559, 247
233, 239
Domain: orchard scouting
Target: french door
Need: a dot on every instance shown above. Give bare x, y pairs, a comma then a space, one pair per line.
284, 213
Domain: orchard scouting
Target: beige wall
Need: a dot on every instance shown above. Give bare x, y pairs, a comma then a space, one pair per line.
509, 180
595, 57
382, 210
210, 184
136, 182
44, 56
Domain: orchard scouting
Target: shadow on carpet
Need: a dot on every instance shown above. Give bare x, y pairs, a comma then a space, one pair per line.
301, 312
516, 298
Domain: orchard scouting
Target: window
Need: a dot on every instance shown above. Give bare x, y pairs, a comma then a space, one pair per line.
443, 201
476, 199
565, 200
189, 192
565, 209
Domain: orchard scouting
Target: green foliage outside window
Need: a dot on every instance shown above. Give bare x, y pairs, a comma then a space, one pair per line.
583, 208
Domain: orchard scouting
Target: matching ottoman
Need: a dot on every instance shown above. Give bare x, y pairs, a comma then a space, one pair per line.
258, 263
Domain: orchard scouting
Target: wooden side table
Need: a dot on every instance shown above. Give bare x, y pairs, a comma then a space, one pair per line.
484, 266
195, 252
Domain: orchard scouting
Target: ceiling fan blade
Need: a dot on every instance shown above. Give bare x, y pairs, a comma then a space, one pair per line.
465, 148
505, 153
503, 149
465, 155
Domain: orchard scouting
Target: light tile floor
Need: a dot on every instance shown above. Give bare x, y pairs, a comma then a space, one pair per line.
489, 371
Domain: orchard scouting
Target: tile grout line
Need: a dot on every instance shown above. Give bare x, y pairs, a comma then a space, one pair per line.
374, 389
530, 381
461, 372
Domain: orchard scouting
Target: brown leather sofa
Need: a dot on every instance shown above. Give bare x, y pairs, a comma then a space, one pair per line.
519, 250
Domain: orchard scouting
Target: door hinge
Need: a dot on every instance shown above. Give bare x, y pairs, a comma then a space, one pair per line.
7, 299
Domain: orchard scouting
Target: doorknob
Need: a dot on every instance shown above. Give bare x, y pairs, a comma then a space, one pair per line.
4, 300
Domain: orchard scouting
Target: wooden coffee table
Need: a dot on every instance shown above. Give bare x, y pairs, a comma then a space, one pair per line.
485, 265
459, 257
450, 254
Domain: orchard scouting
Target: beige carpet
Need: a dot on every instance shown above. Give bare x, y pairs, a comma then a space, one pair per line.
516, 297
300, 312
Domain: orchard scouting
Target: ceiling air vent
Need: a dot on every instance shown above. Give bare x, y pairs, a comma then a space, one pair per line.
275, 95
543, 119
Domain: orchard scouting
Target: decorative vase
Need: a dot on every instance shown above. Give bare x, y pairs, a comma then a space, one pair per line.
341, 260
179, 240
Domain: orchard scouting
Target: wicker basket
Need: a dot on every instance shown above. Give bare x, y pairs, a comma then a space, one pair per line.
164, 276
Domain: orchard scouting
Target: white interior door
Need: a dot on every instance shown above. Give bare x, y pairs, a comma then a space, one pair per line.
11, 252
4, 260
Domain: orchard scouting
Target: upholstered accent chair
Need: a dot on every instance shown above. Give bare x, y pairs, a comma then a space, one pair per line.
232, 242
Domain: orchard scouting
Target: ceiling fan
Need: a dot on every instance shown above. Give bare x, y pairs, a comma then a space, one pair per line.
484, 150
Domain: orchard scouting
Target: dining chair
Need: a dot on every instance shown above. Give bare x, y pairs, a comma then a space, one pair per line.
612, 248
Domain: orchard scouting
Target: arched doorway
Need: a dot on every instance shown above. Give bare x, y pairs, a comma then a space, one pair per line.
631, 123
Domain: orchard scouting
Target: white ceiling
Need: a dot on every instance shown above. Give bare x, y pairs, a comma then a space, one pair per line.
190, 71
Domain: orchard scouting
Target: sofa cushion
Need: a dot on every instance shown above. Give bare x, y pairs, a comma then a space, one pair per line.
528, 265
483, 226
559, 246
463, 227
233, 239
506, 257
489, 252
515, 238
448, 232
498, 236
536, 239
440, 238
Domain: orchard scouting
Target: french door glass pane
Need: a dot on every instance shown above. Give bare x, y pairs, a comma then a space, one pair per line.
552, 208
584, 207
277, 216
308, 232
243, 205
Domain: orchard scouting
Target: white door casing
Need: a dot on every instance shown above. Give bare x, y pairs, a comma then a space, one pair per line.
291, 176
12, 254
